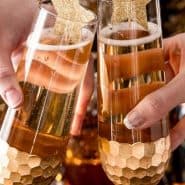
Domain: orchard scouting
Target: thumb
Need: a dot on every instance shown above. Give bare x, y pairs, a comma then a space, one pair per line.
9, 87
157, 104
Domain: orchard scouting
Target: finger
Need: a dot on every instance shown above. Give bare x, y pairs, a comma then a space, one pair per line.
157, 104
119, 66
17, 56
61, 63
177, 134
41, 75
169, 73
9, 88
167, 45
127, 95
182, 58
83, 100
172, 53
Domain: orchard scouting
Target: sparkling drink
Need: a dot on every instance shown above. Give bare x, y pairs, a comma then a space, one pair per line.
131, 66
132, 72
48, 113
33, 137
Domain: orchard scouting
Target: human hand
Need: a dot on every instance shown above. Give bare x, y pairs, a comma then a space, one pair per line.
157, 104
16, 18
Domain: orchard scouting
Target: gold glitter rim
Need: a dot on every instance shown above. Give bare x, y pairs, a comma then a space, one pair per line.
91, 22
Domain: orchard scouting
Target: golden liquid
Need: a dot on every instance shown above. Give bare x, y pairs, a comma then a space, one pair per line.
41, 125
127, 73
49, 95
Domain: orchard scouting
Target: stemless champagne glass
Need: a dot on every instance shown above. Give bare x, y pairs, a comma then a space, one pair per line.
33, 137
131, 66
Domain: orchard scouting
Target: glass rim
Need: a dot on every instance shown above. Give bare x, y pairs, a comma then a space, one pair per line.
91, 22
154, 30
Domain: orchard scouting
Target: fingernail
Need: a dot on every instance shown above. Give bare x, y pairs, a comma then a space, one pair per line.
13, 98
133, 120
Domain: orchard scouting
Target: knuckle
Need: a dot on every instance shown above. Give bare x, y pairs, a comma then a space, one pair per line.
5, 72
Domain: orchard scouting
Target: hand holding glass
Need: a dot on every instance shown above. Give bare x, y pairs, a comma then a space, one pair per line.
33, 137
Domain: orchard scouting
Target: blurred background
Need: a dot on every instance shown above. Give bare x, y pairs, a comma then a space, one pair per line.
173, 17
82, 165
